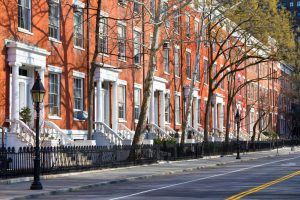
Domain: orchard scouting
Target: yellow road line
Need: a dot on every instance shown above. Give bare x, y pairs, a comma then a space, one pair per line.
261, 187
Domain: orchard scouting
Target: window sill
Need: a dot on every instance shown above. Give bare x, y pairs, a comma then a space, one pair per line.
166, 73
54, 117
167, 123
78, 120
122, 120
189, 79
103, 54
177, 76
122, 60
25, 31
51, 39
79, 48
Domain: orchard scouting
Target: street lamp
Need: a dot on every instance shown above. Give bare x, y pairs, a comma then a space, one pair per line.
238, 121
38, 93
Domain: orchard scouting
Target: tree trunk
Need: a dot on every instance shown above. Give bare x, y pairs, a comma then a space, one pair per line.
206, 118
91, 91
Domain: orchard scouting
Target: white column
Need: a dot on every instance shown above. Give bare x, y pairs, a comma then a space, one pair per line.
162, 109
98, 101
222, 117
196, 114
114, 110
215, 117
42, 76
15, 90
151, 108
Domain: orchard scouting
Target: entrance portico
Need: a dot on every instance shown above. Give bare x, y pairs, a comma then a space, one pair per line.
106, 96
217, 113
24, 61
157, 102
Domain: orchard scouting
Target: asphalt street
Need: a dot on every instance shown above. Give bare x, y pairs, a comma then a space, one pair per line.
269, 178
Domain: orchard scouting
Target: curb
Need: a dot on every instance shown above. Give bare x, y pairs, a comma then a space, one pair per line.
76, 188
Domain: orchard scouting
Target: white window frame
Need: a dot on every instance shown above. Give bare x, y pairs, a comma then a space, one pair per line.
176, 61
54, 20
188, 63
137, 102
24, 15
166, 60
103, 35
122, 41
79, 29
137, 47
57, 94
187, 25
80, 98
177, 109
123, 103
167, 107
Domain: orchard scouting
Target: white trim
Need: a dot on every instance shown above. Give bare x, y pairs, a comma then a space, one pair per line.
137, 85
176, 46
122, 23
54, 69
19, 45
138, 29
122, 82
177, 93
103, 13
51, 39
78, 74
78, 3
159, 79
188, 50
54, 117
22, 30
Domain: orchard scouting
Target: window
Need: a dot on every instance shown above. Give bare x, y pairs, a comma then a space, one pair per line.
187, 26
197, 73
78, 93
137, 47
54, 94
103, 35
205, 72
165, 9
176, 61
188, 64
196, 28
222, 82
78, 28
167, 107
152, 8
137, 6
214, 70
298, 3
54, 19
122, 44
199, 111
137, 103
176, 22
122, 101
166, 60
291, 4
24, 14
177, 109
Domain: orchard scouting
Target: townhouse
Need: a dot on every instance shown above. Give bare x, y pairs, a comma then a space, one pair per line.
56, 39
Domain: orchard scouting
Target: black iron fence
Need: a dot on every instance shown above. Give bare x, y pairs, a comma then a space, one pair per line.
19, 162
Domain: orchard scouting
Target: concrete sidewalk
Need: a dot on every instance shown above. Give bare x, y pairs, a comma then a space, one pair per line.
19, 188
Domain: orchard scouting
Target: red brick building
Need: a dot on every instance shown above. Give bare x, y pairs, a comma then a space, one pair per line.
57, 39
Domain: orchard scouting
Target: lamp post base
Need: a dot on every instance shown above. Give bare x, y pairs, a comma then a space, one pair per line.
238, 156
36, 185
